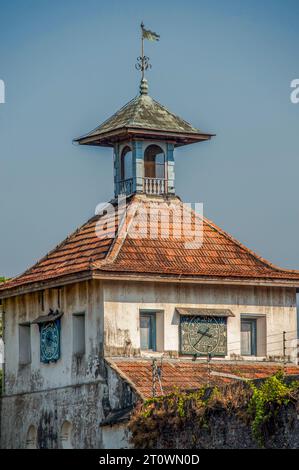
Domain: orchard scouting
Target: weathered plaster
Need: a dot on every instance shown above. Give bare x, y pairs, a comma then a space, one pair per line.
123, 302
82, 390
115, 437
83, 297
83, 406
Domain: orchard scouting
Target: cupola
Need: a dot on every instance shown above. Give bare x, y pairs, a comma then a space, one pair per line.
143, 134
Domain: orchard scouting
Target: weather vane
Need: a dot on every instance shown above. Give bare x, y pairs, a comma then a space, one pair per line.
143, 61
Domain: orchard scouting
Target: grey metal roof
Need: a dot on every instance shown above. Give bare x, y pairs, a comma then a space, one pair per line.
146, 114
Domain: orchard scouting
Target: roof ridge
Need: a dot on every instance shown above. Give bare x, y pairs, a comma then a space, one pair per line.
142, 112
57, 247
60, 245
84, 251
176, 116
107, 120
248, 250
123, 228
131, 121
257, 258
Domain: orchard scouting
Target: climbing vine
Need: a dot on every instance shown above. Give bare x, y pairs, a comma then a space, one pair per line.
185, 418
166, 414
266, 401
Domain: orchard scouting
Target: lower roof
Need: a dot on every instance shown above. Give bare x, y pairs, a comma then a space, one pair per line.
183, 374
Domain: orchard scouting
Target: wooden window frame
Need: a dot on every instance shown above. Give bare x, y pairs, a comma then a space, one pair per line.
153, 332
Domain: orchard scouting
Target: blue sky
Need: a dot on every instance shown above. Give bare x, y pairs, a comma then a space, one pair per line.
225, 66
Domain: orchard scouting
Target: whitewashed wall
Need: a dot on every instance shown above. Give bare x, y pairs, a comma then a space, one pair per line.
76, 298
124, 300
112, 318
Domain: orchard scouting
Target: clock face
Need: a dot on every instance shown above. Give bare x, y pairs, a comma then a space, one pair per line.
50, 342
203, 335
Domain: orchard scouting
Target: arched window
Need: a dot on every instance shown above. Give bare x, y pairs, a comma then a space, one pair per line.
154, 162
126, 164
31, 438
66, 435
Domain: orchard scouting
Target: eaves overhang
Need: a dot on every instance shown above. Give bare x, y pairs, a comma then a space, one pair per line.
109, 139
136, 277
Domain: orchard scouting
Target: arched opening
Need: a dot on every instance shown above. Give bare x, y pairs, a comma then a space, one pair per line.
154, 162
154, 170
66, 435
126, 164
31, 439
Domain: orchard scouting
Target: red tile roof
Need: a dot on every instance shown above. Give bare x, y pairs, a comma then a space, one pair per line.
121, 253
189, 375
75, 254
219, 256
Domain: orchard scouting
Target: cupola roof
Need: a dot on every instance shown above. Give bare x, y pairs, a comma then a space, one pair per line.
144, 117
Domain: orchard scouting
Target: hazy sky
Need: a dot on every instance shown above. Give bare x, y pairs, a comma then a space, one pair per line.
225, 66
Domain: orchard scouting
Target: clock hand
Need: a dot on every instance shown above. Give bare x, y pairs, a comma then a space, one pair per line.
202, 335
205, 333
208, 336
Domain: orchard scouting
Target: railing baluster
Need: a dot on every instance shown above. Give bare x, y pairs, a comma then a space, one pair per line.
125, 186
155, 186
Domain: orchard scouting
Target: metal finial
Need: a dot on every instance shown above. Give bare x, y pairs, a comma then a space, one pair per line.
143, 86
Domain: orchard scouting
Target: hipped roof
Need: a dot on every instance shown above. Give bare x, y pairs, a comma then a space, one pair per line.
143, 116
116, 253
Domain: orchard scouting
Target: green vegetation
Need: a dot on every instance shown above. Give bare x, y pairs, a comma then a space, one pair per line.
266, 402
175, 402
169, 414
189, 414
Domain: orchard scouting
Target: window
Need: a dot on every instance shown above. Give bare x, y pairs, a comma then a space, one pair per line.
248, 337
79, 334
154, 162
24, 344
31, 438
66, 435
126, 164
148, 331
